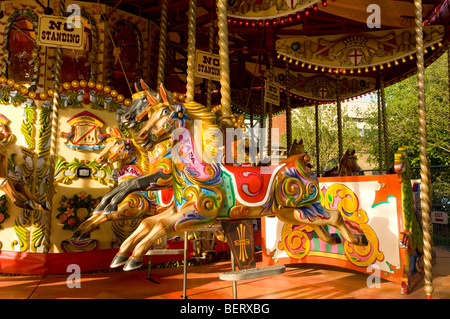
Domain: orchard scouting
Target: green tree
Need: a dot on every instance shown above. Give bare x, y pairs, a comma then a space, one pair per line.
403, 117
303, 127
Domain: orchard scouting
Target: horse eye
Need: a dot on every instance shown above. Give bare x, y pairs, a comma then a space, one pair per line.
165, 112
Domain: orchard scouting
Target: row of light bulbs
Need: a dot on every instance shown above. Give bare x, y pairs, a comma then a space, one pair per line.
366, 69
274, 22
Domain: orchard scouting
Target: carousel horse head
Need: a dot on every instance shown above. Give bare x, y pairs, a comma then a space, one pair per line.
348, 165
297, 148
169, 115
117, 148
160, 113
138, 104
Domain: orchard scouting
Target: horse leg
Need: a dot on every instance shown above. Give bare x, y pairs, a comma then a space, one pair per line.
18, 199
143, 230
141, 183
337, 221
84, 230
321, 232
133, 207
106, 199
23, 189
176, 223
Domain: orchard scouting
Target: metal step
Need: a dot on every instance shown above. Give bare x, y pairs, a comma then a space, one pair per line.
155, 252
253, 273
209, 228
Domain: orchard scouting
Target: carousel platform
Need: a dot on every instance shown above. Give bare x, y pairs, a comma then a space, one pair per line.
299, 281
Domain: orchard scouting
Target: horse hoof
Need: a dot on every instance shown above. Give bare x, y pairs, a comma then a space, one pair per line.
45, 206
362, 240
28, 205
110, 209
98, 210
133, 263
118, 260
84, 236
75, 236
335, 239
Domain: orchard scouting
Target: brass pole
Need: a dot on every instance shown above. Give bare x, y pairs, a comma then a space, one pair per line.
339, 115
316, 107
380, 140
269, 134
263, 104
162, 43
387, 160
53, 141
211, 49
425, 198
288, 111
269, 124
225, 86
192, 28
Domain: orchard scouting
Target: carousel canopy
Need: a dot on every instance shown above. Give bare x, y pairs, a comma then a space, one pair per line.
320, 42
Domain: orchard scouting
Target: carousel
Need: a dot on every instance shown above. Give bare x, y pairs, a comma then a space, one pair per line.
137, 133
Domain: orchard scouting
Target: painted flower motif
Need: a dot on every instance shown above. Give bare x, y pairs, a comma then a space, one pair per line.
179, 115
73, 211
69, 211
82, 195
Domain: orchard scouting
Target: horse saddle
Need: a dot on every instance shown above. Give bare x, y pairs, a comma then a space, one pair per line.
252, 185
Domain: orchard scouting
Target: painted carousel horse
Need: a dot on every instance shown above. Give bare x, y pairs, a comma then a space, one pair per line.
298, 148
347, 166
137, 163
206, 191
138, 105
15, 188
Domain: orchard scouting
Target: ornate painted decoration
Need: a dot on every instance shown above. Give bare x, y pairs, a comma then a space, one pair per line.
85, 132
265, 9
21, 55
3, 214
363, 51
67, 171
322, 87
73, 211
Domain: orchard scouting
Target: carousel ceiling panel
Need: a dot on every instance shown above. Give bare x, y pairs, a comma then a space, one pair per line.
393, 13
359, 51
266, 9
321, 87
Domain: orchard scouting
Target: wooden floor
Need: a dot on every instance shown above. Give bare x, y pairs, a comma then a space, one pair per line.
298, 282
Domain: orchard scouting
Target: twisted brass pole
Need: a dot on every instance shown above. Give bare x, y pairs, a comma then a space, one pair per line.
225, 86
162, 43
192, 27
385, 126
380, 140
288, 111
53, 140
269, 125
316, 108
339, 115
211, 49
425, 199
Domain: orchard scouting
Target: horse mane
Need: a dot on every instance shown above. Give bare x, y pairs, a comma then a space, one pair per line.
210, 128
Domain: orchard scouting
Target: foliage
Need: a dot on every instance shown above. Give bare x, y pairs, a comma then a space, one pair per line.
303, 127
403, 117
